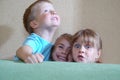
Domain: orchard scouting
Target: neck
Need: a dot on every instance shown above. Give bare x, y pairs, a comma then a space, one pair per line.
47, 34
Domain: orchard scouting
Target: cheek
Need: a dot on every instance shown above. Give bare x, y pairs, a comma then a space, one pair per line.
92, 53
46, 17
74, 51
56, 51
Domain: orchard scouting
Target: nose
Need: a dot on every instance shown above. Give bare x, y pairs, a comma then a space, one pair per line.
82, 49
64, 52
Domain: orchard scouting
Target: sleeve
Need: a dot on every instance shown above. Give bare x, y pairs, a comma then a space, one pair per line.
32, 43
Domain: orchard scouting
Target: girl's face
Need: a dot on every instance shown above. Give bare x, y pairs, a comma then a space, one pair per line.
61, 50
46, 15
84, 52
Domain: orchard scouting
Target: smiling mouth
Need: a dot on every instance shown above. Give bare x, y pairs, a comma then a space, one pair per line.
54, 18
61, 58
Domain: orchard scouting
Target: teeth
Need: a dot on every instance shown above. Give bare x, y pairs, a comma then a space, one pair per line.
61, 58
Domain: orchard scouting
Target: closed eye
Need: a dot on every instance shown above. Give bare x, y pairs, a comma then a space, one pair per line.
60, 47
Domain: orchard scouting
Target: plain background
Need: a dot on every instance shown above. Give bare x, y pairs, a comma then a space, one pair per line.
103, 16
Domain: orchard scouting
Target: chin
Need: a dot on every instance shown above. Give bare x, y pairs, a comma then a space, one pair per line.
81, 61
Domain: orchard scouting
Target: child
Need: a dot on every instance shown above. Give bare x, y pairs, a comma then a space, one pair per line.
61, 48
40, 21
87, 46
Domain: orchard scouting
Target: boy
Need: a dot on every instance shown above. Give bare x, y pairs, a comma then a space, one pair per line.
87, 46
61, 48
40, 21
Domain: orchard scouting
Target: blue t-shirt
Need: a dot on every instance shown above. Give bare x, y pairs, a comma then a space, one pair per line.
39, 45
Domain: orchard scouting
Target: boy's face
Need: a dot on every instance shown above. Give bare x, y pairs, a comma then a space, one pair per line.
84, 52
46, 15
61, 50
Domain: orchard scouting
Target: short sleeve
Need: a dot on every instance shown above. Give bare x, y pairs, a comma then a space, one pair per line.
31, 43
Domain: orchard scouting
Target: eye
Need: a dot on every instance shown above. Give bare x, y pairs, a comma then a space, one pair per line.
46, 10
88, 46
61, 47
77, 45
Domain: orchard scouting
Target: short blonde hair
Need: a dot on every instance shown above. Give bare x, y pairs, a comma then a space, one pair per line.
29, 15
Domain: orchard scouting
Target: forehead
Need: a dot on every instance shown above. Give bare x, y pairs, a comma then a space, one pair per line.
63, 42
43, 5
86, 40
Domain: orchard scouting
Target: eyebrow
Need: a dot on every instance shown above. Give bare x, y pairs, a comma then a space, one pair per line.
61, 44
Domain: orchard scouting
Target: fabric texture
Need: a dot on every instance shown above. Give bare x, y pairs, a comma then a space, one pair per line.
48, 70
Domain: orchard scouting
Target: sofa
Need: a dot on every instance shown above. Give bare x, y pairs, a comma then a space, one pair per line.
50, 70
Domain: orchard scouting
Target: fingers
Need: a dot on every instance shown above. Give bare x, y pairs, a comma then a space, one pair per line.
31, 59
39, 57
36, 58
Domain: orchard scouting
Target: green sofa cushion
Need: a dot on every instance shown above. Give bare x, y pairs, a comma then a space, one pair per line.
11, 70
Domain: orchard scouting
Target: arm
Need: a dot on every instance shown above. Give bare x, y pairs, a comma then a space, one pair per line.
25, 53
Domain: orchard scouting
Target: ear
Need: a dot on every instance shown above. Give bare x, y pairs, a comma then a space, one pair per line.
98, 54
33, 24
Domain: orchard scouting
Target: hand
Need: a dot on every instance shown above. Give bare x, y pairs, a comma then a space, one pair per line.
69, 58
34, 58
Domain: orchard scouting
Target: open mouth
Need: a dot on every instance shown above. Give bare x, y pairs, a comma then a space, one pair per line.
80, 57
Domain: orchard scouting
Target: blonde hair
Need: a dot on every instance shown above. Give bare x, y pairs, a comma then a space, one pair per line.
88, 35
29, 15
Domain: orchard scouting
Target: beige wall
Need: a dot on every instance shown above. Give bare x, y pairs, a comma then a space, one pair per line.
101, 15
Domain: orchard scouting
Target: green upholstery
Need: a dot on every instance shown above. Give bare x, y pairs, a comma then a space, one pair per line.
11, 70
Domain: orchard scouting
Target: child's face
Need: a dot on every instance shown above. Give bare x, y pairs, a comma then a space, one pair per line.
84, 52
61, 50
46, 15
